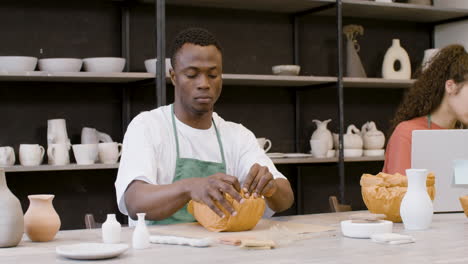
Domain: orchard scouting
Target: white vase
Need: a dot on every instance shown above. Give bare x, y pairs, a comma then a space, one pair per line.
322, 133
416, 208
11, 216
111, 230
141, 237
396, 53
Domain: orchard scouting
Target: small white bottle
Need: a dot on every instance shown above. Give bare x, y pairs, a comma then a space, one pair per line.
111, 230
141, 237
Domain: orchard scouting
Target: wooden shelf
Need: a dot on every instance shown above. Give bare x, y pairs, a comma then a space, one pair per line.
86, 77
376, 83
19, 168
275, 80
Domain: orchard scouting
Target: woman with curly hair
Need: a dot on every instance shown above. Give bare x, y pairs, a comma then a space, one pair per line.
437, 100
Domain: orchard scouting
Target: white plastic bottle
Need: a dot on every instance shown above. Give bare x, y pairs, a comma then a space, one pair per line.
111, 230
141, 237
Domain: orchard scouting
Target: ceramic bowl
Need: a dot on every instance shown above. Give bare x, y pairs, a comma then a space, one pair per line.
374, 152
464, 204
17, 63
150, 65
292, 70
365, 230
351, 153
60, 65
104, 64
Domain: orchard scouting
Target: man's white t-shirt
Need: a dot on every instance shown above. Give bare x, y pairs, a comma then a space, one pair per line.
149, 150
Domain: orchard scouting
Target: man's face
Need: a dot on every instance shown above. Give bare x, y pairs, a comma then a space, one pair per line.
197, 77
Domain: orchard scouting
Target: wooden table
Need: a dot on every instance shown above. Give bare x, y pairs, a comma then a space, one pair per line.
445, 242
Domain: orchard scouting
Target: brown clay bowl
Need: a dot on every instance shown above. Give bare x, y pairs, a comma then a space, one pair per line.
464, 203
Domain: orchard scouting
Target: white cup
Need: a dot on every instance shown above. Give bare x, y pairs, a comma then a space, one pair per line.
262, 142
319, 148
31, 154
85, 154
109, 153
59, 154
7, 156
90, 135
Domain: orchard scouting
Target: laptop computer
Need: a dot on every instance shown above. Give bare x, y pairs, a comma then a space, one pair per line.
436, 150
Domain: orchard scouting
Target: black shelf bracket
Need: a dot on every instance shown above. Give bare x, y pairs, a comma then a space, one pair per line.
160, 35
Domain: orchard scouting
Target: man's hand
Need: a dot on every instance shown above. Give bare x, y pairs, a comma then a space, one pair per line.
212, 189
259, 182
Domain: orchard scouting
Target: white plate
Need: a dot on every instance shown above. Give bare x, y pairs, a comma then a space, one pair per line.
297, 155
91, 250
276, 155
365, 230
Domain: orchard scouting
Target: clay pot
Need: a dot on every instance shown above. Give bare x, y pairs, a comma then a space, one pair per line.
11, 216
41, 221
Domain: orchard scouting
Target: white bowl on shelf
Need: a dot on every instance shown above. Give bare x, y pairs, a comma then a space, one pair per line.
353, 153
290, 70
150, 65
17, 63
60, 65
104, 64
365, 230
374, 152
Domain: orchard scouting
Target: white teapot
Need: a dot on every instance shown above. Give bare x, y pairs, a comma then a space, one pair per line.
372, 138
322, 132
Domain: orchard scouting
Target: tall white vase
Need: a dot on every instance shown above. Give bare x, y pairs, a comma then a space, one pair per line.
141, 237
396, 53
416, 208
111, 230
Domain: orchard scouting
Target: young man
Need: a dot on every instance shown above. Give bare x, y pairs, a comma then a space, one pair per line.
185, 151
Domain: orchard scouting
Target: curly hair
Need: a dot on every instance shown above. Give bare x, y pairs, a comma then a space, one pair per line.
426, 94
197, 36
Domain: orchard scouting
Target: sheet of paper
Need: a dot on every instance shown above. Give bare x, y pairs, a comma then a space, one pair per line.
460, 171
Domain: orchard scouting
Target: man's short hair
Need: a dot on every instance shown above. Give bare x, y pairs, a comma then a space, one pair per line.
197, 36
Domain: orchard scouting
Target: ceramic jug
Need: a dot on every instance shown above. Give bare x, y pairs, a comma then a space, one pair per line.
11, 216
416, 208
92, 136
352, 139
322, 133
371, 137
111, 230
41, 221
393, 54
140, 237
57, 132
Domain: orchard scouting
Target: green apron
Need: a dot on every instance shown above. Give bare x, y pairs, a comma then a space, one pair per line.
191, 168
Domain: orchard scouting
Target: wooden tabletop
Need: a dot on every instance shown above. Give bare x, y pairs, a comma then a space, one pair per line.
445, 242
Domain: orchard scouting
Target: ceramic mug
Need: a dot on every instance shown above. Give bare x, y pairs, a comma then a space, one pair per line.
90, 135
109, 153
57, 131
85, 154
7, 156
58, 154
319, 148
262, 142
31, 154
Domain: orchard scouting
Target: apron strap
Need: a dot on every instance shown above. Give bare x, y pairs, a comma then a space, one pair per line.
429, 121
218, 136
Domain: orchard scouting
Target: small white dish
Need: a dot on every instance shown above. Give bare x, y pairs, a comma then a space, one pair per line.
91, 250
297, 155
374, 152
275, 155
17, 63
104, 64
365, 230
352, 153
60, 65
291, 70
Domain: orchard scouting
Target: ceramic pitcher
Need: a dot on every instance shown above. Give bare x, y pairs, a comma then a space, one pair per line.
90, 135
11, 216
57, 132
416, 208
322, 132
41, 221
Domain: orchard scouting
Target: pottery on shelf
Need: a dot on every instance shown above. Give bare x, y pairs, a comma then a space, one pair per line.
111, 230
7, 156
57, 132
371, 137
354, 66
90, 135
141, 237
396, 53
41, 221
416, 208
429, 54
352, 139
322, 133
11, 216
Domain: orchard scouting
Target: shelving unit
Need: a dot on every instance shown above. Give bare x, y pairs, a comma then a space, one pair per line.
77, 77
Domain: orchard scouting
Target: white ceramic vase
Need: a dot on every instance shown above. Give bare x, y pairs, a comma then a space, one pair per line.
322, 133
111, 230
396, 53
141, 237
11, 216
416, 208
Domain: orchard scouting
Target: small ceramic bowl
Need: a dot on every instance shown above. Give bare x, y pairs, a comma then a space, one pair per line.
60, 65
291, 70
150, 65
17, 63
104, 64
464, 204
365, 230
